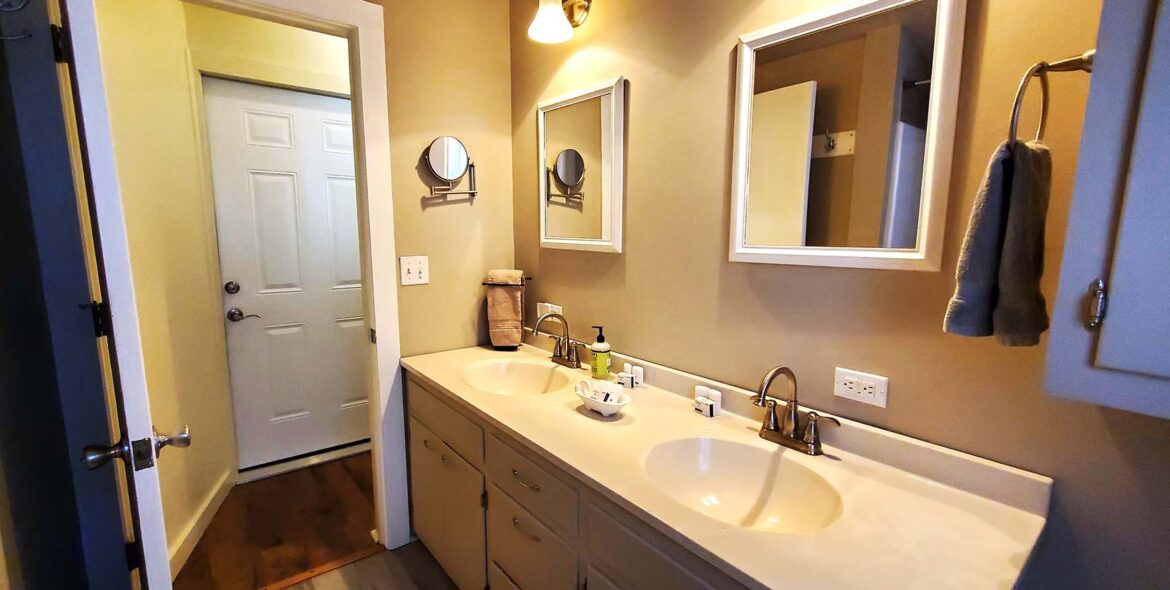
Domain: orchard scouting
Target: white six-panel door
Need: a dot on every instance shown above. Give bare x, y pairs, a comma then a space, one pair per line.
287, 223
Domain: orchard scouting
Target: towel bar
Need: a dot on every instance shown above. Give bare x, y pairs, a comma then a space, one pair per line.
1079, 63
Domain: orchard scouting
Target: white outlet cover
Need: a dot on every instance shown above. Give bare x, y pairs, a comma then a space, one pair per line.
414, 270
866, 388
543, 308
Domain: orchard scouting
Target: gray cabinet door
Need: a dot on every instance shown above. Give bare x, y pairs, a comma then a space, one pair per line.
1119, 225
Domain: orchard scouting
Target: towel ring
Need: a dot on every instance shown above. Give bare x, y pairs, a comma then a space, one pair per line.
1079, 63
1039, 70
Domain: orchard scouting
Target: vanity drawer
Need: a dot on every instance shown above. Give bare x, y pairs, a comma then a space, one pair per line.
498, 579
641, 557
459, 432
554, 501
533, 557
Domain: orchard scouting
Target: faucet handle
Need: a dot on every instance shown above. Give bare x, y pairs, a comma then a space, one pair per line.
771, 421
812, 432
573, 354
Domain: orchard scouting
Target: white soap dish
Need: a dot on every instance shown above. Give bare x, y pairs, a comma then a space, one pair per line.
601, 407
605, 408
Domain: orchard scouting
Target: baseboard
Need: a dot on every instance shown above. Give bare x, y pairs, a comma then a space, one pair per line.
256, 473
181, 550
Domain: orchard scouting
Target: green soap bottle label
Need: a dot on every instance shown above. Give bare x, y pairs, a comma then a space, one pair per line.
600, 367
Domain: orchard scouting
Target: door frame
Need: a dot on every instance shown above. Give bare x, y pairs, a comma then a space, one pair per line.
362, 24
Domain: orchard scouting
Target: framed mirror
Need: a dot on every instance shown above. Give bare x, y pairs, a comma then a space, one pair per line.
844, 126
447, 159
581, 155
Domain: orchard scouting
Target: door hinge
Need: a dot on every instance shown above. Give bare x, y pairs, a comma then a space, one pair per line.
101, 317
1098, 302
133, 555
483, 499
373, 336
62, 50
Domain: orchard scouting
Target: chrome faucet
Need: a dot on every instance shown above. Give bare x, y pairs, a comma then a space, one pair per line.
783, 431
564, 350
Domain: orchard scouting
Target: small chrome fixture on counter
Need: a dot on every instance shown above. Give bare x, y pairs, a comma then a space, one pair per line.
448, 161
784, 431
1080, 63
565, 350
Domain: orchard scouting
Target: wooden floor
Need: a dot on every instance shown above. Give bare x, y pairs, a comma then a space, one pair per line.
410, 567
273, 529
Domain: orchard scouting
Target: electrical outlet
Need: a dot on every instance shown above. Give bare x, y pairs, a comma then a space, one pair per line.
543, 308
866, 388
415, 270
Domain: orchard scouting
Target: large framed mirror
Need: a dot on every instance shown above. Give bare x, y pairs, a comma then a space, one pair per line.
844, 127
581, 163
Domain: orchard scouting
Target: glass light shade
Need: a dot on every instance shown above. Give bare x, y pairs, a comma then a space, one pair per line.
550, 24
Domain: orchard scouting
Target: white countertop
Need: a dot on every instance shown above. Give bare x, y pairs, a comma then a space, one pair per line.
896, 527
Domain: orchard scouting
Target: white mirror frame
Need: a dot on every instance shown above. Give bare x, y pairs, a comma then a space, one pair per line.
613, 186
940, 133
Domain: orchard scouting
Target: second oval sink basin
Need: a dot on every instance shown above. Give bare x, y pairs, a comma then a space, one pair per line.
744, 486
515, 377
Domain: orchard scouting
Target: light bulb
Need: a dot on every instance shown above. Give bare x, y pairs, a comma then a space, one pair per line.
550, 24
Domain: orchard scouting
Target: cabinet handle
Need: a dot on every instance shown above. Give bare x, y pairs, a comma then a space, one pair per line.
443, 458
427, 443
516, 523
532, 486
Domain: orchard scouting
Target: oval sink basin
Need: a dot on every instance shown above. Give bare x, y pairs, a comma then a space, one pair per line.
515, 377
744, 486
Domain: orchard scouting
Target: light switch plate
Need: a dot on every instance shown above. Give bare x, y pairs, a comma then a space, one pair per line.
415, 270
866, 388
543, 308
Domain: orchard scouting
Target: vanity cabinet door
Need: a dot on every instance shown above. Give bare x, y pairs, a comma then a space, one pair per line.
463, 522
426, 502
447, 514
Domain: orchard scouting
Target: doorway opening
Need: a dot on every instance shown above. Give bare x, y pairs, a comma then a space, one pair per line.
246, 201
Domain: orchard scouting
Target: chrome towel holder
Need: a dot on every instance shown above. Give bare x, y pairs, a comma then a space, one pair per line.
1079, 63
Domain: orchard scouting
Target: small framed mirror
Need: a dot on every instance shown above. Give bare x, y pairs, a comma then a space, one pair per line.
581, 155
844, 125
447, 159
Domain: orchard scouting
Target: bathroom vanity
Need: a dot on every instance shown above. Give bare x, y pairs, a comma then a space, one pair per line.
514, 484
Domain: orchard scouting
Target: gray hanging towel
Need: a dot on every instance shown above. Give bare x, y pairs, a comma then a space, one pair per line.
1020, 312
970, 310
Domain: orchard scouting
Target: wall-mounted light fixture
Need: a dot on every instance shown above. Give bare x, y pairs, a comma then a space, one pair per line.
555, 20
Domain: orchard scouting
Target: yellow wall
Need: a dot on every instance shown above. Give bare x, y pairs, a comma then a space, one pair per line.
673, 297
578, 127
237, 46
175, 271
156, 117
448, 66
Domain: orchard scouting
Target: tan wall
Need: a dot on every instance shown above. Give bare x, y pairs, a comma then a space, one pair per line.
577, 126
449, 75
175, 271
673, 297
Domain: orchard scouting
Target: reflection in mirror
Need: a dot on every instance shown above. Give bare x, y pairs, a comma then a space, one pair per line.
570, 168
447, 158
838, 110
869, 79
573, 209
581, 169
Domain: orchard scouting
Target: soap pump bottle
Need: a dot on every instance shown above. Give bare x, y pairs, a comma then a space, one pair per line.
599, 366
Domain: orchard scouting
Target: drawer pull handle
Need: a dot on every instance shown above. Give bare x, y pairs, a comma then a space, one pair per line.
443, 458
532, 486
516, 523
